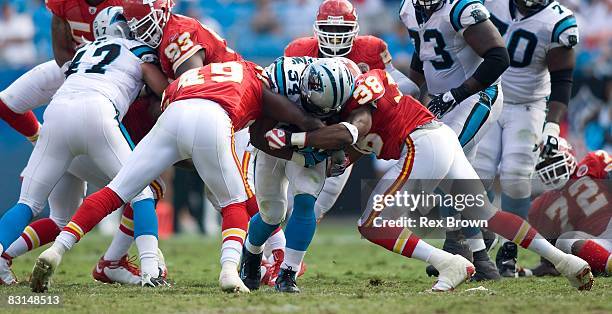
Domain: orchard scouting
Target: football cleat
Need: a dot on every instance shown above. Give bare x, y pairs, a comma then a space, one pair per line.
286, 281
577, 271
250, 270
506, 260
454, 246
162, 263
485, 270
453, 272
123, 271
46, 264
147, 280
7, 277
274, 268
230, 281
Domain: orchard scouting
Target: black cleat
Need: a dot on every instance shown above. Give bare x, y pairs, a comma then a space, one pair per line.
490, 239
506, 260
545, 268
285, 282
250, 272
485, 268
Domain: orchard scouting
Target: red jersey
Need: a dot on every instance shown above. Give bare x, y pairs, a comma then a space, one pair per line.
368, 52
138, 120
583, 204
395, 116
183, 37
236, 86
79, 15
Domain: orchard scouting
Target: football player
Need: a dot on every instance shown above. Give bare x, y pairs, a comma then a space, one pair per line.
379, 119
305, 169
183, 43
460, 56
201, 111
577, 214
336, 31
540, 37
71, 26
109, 72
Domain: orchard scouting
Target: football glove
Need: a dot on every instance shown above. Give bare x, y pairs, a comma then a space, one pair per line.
337, 164
441, 104
550, 140
279, 138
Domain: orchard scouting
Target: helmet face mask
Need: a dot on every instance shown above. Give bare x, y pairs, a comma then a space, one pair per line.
147, 19
111, 23
326, 85
336, 27
555, 171
531, 5
427, 4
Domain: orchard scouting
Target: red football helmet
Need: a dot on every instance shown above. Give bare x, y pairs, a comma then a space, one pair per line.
336, 27
147, 19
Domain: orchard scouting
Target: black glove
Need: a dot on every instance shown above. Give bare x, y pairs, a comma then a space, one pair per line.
441, 104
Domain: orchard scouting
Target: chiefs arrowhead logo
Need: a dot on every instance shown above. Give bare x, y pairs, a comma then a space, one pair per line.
92, 10
363, 67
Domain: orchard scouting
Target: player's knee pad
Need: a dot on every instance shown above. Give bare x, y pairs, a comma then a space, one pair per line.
516, 185
272, 211
567, 239
147, 193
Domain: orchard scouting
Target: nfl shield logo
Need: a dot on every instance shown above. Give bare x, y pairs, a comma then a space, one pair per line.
92, 10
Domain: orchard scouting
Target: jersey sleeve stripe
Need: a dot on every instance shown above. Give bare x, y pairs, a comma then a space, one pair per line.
334, 86
185, 56
279, 76
140, 51
563, 25
457, 10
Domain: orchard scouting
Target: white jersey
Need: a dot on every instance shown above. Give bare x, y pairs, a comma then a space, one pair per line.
111, 68
447, 59
284, 74
529, 38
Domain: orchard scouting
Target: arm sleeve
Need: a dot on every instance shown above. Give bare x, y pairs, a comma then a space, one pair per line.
145, 54
565, 33
466, 13
405, 85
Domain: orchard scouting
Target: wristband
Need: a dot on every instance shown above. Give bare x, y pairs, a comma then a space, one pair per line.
353, 130
298, 139
551, 128
460, 93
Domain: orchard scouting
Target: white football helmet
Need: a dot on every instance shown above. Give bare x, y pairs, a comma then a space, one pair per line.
326, 85
110, 22
556, 170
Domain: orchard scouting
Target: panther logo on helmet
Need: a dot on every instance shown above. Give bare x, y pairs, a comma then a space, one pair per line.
147, 19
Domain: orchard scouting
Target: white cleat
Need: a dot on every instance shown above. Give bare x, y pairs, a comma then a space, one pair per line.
45, 266
7, 277
230, 281
577, 271
162, 263
147, 280
453, 272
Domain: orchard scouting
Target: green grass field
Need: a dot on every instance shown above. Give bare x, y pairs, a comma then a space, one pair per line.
345, 275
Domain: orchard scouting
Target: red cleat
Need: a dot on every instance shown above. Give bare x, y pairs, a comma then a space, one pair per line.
123, 271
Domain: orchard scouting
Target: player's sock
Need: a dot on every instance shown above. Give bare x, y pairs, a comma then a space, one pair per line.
26, 124
300, 228
293, 259
596, 255
259, 232
513, 227
277, 241
402, 241
233, 230
123, 238
147, 251
251, 206
145, 235
475, 241
94, 208
517, 206
12, 224
37, 234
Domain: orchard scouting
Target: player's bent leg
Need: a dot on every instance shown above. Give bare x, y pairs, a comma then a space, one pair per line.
30, 91
587, 247
515, 228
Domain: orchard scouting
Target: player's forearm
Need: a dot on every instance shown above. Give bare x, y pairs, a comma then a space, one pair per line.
61, 38
281, 109
560, 93
155, 79
333, 137
257, 133
495, 61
